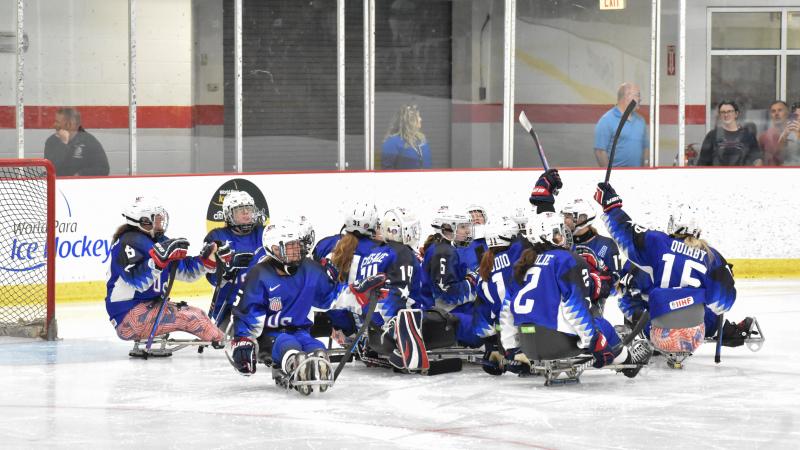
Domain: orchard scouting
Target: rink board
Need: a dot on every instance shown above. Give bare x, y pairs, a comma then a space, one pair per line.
748, 214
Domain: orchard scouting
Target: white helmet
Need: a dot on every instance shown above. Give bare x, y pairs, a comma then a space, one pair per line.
400, 225
548, 227
581, 211
233, 201
502, 233
279, 240
363, 218
458, 226
147, 212
476, 210
520, 218
684, 221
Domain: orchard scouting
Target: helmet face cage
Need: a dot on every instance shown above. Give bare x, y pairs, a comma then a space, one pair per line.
307, 236
580, 214
478, 215
549, 227
362, 219
238, 204
282, 242
149, 216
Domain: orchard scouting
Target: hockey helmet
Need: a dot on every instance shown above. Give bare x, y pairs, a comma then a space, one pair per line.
684, 222
548, 227
579, 213
400, 225
147, 214
239, 203
363, 219
502, 233
282, 242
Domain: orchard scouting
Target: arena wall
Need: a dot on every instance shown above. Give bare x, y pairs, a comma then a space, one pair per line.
748, 214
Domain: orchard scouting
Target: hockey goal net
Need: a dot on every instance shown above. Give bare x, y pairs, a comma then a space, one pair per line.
27, 240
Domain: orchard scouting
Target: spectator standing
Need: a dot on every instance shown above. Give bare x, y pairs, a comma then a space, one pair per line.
633, 147
405, 146
73, 150
773, 140
729, 144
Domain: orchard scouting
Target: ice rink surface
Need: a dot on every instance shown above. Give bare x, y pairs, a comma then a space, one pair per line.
85, 392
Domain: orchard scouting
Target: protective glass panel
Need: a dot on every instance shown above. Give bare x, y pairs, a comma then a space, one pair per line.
76, 89
571, 60
791, 153
793, 30
288, 85
8, 61
745, 30
438, 84
180, 86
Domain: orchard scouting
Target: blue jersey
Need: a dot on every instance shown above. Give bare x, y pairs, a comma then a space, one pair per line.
240, 244
134, 278
325, 246
443, 278
554, 294
273, 301
402, 268
493, 291
670, 263
470, 256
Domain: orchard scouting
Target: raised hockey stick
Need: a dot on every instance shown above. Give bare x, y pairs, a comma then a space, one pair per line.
622, 121
720, 325
164, 299
373, 302
523, 120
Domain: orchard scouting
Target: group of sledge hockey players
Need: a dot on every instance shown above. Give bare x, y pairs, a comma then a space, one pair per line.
473, 284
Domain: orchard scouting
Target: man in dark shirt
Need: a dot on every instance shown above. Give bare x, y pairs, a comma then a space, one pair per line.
72, 150
729, 144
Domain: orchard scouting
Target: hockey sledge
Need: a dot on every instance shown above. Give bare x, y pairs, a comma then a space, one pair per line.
164, 346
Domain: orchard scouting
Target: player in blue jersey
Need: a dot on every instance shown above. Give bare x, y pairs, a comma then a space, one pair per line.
242, 232
470, 254
552, 290
684, 270
600, 252
141, 256
446, 283
395, 330
270, 319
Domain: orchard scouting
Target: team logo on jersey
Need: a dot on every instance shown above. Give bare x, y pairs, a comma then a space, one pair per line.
275, 304
681, 303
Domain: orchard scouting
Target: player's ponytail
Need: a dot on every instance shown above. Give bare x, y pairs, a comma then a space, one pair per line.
122, 230
435, 238
700, 244
343, 255
528, 259
487, 263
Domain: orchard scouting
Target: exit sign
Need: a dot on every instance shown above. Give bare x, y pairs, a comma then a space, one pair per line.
612, 4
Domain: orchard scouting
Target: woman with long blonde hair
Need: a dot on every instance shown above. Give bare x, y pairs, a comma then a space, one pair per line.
405, 145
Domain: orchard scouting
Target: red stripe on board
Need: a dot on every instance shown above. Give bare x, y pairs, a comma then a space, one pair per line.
575, 113
98, 117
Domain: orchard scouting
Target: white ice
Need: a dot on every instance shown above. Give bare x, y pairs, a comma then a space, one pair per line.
85, 392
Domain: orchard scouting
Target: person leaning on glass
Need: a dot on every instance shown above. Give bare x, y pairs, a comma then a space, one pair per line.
405, 145
729, 144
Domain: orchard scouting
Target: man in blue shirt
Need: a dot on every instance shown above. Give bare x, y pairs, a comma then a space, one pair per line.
633, 147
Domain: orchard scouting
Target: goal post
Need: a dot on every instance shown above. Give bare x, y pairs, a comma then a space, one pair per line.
27, 248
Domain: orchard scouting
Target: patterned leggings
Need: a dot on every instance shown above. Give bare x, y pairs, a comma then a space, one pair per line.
139, 321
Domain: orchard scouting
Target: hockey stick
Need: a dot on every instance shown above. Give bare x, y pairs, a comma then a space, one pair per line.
373, 303
523, 120
622, 122
164, 299
217, 287
718, 351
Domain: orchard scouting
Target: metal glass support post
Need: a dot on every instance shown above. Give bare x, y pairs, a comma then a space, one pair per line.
681, 82
340, 74
237, 83
655, 80
20, 84
132, 145
369, 84
509, 53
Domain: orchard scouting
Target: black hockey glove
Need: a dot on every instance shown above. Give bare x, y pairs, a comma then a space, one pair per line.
168, 250
244, 355
546, 188
607, 197
239, 262
517, 362
212, 251
600, 350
